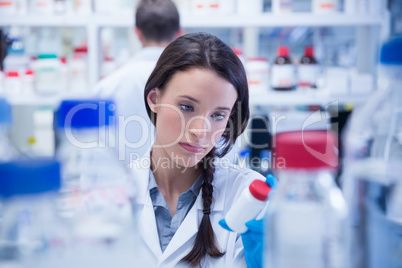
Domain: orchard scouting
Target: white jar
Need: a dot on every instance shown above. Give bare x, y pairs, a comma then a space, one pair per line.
257, 75
250, 203
8, 7
47, 74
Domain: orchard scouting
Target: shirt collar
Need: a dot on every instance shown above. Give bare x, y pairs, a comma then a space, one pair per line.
195, 188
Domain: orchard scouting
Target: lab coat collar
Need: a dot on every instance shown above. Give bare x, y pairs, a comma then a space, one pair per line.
189, 226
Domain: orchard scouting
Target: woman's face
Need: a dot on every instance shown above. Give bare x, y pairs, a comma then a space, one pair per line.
192, 113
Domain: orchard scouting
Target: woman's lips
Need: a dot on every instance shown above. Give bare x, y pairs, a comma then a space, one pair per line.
191, 148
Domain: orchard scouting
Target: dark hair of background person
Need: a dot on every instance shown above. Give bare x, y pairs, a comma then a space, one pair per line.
205, 51
158, 20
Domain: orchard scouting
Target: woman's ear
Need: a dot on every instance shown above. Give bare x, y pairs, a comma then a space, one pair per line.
152, 99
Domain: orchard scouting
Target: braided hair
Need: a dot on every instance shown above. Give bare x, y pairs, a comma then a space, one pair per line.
202, 50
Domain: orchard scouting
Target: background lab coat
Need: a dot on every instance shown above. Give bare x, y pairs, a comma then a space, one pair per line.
228, 183
126, 87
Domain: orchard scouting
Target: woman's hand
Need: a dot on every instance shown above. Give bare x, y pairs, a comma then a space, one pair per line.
253, 238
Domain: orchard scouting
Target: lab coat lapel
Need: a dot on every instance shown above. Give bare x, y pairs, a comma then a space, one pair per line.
189, 227
147, 224
187, 230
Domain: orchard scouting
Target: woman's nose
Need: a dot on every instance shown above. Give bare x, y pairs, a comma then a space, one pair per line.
199, 126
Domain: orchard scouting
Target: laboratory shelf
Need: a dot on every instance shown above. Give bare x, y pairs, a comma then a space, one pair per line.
300, 98
271, 20
43, 100
45, 20
195, 21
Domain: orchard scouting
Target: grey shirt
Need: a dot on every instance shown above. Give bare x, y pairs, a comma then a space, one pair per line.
166, 224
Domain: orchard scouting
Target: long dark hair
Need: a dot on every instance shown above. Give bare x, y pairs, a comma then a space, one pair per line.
202, 50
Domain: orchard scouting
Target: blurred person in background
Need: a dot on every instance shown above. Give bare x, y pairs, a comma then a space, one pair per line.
157, 23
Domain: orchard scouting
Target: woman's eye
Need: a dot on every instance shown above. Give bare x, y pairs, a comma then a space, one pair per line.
218, 116
186, 107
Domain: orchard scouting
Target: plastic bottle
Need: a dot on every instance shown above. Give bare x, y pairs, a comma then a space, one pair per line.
42, 7
372, 168
28, 82
307, 217
78, 69
308, 69
21, 7
8, 7
12, 83
250, 203
97, 190
257, 75
283, 73
30, 222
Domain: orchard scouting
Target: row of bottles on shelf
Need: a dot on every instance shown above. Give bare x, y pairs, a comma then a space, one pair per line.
81, 7
307, 75
45, 74
281, 75
244, 7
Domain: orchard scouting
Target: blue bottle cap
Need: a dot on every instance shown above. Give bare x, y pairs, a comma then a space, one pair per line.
33, 176
391, 52
90, 113
5, 112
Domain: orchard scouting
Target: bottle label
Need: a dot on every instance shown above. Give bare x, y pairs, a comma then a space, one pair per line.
282, 76
307, 75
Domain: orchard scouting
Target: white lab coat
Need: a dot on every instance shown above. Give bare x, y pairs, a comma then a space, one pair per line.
228, 183
126, 87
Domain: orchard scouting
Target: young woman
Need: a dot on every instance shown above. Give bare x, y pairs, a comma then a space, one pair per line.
197, 98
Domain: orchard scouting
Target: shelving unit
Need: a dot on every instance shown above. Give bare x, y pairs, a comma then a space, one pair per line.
192, 21
371, 30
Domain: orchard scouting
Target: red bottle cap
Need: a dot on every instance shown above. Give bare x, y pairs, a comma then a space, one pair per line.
83, 49
29, 72
283, 51
260, 190
309, 149
12, 74
309, 51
